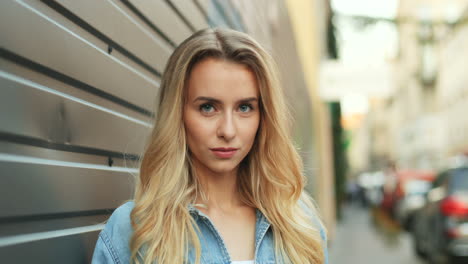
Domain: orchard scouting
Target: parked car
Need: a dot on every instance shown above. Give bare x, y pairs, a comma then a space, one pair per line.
403, 191
440, 227
412, 198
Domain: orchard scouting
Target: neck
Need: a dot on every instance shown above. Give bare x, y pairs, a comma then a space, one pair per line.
220, 189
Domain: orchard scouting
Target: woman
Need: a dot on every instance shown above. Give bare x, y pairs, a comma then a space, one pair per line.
220, 180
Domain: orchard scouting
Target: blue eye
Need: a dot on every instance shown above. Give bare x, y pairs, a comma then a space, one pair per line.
207, 108
245, 108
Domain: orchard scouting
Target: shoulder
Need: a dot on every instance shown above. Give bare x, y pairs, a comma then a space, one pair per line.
119, 222
315, 218
113, 245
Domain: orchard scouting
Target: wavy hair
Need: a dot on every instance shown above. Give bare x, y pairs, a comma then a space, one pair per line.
270, 177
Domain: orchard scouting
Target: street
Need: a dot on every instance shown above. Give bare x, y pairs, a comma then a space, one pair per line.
369, 236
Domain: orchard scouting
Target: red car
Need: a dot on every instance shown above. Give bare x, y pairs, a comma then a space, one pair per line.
401, 184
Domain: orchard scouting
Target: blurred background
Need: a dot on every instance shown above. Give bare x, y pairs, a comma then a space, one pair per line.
378, 90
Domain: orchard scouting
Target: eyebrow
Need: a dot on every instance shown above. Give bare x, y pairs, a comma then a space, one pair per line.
211, 99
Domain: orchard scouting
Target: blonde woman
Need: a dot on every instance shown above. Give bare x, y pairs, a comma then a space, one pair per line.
220, 180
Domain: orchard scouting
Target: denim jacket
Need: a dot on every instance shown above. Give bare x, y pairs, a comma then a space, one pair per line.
113, 242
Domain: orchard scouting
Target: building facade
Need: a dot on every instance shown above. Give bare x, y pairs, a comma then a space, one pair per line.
423, 123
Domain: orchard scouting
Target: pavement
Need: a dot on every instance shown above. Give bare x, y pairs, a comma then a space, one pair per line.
369, 236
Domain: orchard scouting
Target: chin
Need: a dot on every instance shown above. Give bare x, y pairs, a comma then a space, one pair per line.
224, 168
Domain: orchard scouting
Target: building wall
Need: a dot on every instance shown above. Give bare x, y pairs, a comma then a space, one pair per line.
453, 90
305, 19
359, 149
426, 125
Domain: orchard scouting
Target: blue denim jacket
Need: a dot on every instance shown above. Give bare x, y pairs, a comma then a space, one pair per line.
113, 242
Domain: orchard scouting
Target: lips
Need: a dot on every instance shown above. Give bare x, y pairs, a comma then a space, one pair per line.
223, 149
224, 152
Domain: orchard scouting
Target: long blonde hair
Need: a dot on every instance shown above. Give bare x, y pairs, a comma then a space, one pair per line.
270, 177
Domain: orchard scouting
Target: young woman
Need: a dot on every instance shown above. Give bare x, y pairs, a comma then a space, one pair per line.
220, 180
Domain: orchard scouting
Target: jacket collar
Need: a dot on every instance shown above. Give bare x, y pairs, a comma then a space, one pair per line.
261, 221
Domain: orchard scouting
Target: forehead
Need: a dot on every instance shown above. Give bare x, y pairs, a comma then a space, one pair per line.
221, 79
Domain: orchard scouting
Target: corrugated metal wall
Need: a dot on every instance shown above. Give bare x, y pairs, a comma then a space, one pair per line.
78, 81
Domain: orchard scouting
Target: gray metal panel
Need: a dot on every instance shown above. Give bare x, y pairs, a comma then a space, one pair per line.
214, 16
31, 223
161, 15
115, 21
229, 12
40, 152
54, 12
191, 12
59, 86
30, 109
22, 226
38, 186
67, 249
58, 48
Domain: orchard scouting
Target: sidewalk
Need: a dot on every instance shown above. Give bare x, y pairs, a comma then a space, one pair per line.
360, 241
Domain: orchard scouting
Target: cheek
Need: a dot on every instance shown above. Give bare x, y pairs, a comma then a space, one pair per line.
197, 131
251, 129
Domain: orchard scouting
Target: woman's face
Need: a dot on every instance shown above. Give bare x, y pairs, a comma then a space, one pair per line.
221, 114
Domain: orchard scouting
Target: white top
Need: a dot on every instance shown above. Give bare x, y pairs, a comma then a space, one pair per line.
243, 262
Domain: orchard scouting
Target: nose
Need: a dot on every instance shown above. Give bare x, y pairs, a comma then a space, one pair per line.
226, 127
